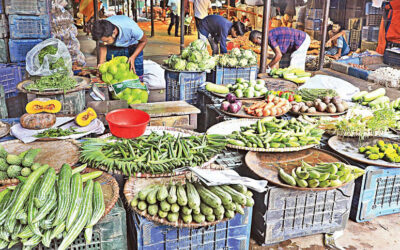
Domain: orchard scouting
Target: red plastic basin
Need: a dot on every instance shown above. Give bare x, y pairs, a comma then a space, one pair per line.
127, 123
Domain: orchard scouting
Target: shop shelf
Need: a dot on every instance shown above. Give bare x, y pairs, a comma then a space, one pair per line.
3, 26
281, 213
183, 85
233, 234
10, 77
19, 48
29, 26
377, 193
223, 75
27, 7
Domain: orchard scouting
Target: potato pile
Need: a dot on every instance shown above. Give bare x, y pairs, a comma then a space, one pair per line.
327, 104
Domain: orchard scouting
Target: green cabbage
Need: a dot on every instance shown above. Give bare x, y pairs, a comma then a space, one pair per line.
195, 56
185, 53
180, 64
198, 45
191, 66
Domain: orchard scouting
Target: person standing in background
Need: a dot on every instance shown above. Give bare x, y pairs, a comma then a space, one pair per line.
175, 7
200, 9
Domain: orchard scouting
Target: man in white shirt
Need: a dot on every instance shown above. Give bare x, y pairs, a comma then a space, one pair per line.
175, 7
201, 9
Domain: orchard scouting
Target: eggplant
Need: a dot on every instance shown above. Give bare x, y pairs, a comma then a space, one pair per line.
234, 108
230, 98
331, 108
225, 105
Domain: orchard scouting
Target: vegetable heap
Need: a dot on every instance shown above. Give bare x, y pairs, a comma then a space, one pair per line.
313, 94
327, 104
385, 151
288, 95
58, 80
193, 201
272, 106
321, 175
248, 89
395, 104
57, 132
276, 133
46, 206
13, 166
231, 104
291, 74
238, 58
154, 153
375, 99
51, 50
195, 57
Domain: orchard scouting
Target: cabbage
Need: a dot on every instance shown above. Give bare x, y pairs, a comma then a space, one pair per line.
232, 62
195, 56
198, 45
236, 52
180, 64
205, 54
185, 53
191, 66
223, 60
243, 62
207, 64
248, 54
253, 61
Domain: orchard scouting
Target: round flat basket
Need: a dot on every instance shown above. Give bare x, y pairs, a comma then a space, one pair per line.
279, 84
161, 129
134, 185
243, 114
396, 131
266, 165
109, 186
4, 129
349, 147
318, 113
81, 83
227, 127
241, 98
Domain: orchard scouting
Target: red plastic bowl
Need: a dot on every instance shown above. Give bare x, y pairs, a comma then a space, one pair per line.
127, 123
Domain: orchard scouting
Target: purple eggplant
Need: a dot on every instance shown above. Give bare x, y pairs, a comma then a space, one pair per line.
230, 98
225, 105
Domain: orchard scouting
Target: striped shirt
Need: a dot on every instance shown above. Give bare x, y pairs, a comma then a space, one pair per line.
287, 39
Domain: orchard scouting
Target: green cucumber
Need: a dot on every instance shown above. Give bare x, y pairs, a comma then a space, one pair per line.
221, 89
47, 183
64, 188
374, 95
76, 200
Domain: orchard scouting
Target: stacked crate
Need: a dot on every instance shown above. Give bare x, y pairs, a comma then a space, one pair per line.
313, 23
370, 32
355, 26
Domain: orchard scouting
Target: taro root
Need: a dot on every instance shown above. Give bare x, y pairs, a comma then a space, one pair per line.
331, 108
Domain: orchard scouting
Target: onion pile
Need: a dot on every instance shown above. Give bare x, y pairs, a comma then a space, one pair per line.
231, 104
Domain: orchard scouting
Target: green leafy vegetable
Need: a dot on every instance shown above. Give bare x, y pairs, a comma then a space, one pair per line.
58, 80
57, 132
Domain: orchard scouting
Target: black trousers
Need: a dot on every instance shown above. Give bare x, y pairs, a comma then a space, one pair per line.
214, 43
174, 20
197, 21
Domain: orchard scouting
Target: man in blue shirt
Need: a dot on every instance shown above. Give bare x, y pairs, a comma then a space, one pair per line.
120, 36
216, 29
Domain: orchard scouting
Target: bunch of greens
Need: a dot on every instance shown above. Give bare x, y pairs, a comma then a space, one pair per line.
238, 58
193, 58
58, 80
51, 50
57, 132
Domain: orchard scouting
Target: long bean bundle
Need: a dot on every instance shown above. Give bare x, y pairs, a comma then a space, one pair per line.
154, 153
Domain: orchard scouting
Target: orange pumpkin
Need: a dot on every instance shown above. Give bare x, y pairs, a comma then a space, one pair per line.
37, 121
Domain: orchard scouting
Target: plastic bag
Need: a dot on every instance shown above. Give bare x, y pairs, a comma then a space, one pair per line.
33, 65
153, 75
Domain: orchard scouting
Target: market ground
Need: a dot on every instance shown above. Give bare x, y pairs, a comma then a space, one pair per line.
381, 233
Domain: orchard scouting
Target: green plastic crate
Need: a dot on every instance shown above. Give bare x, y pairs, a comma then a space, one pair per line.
108, 234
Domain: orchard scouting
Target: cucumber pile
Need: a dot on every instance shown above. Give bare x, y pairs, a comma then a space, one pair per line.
13, 166
375, 99
192, 201
45, 206
321, 175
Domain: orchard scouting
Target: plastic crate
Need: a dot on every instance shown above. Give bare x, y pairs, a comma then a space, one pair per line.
19, 48
3, 106
4, 56
29, 26
27, 7
373, 20
340, 67
313, 24
368, 45
183, 86
109, 233
315, 13
222, 75
376, 193
3, 26
391, 58
359, 73
281, 213
369, 10
232, 234
365, 34
10, 77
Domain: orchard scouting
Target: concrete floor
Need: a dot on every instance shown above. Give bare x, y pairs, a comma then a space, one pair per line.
381, 233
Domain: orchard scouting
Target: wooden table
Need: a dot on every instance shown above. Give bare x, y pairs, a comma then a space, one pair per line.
170, 114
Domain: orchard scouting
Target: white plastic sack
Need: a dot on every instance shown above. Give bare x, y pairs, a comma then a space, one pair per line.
153, 75
33, 66
345, 89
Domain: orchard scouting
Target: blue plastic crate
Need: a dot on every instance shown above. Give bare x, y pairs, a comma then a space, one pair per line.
222, 75
19, 48
27, 7
377, 193
183, 85
10, 77
233, 234
391, 58
359, 73
29, 26
282, 213
369, 10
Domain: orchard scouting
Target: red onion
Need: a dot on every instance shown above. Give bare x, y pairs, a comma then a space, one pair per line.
230, 98
225, 105
234, 108
238, 102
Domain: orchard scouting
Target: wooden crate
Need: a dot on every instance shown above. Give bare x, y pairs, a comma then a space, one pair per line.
368, 45
170, 114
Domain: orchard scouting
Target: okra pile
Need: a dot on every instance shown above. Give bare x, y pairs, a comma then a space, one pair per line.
193, 201
276, 133
46, 206
154, 153
321, 175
